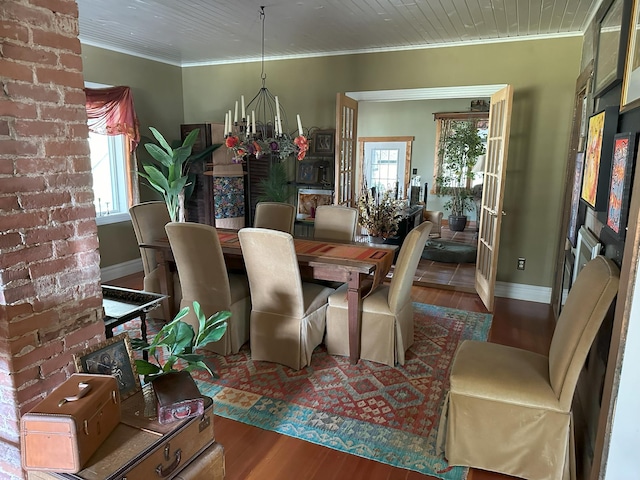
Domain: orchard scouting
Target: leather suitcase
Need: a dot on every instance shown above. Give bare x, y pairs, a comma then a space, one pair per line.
208, 465
62, 431
141, 448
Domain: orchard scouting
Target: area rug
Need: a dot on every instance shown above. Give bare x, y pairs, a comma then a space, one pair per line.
449, 252
381, 413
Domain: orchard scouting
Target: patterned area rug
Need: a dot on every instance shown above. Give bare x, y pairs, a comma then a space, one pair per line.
381, 413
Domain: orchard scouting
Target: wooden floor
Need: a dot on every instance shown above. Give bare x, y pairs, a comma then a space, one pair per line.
255, 454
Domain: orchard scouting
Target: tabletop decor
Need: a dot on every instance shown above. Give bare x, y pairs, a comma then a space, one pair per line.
380, 211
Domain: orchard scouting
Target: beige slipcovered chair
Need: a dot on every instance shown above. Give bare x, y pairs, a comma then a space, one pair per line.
509, 410
335, 222
287, 315
435, 217
149, 219
387, 313
275, 216
203, 276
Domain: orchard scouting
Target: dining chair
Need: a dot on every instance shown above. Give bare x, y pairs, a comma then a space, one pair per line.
335, 222
275, 216
387, 313
148, 220
508, 410
204, 278
287, 314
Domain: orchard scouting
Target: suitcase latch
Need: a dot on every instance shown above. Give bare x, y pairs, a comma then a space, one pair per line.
204, 423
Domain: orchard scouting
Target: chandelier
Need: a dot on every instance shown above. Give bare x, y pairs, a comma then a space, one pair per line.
261, 131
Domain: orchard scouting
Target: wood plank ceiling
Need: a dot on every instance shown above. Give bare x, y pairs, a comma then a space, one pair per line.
211, 31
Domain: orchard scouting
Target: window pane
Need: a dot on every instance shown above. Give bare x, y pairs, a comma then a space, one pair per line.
107, 168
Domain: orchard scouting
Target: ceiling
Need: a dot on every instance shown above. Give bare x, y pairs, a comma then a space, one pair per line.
197, 32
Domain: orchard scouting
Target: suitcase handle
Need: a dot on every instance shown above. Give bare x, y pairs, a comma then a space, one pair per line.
83, 389
161, 471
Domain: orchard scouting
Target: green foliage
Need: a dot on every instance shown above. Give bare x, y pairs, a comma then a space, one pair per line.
276, 187
170, 175
460, 151
181, 342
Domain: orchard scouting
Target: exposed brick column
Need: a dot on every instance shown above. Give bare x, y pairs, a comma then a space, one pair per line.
50, 298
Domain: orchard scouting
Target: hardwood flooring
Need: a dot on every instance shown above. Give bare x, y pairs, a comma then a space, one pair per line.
255, 454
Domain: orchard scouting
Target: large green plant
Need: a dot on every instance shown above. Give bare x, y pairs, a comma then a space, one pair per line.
460, 150
181, 343
170, 175
275, 187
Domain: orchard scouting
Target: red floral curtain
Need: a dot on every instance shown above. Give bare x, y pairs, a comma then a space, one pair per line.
111, 112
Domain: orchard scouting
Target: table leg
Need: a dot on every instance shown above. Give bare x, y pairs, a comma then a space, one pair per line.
143, 332
166, 285
354, 306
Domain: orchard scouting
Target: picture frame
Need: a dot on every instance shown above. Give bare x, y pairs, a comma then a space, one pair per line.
114, 357
324, 142
624, 152
306, 171
588, 248
311, 198
630, 98
574, 220
611, 44
597, 161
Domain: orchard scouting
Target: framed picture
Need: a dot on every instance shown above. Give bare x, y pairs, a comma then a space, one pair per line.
613, 30
624, 147
311, 198
323, 142
575, 199
114, 357
306, 171
597, 160
588, 248
631, 82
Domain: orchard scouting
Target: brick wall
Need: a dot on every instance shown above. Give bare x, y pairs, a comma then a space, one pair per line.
50, 299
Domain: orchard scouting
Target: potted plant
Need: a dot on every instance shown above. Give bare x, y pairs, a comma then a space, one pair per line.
170, 175
181, 342
459, 152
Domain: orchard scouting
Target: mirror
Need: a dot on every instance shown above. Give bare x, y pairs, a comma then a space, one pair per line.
385, 162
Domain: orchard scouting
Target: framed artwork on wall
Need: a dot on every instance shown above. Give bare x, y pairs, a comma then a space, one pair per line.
624, 151
611, 44
597, 160
323, 142
631, 82
574, 220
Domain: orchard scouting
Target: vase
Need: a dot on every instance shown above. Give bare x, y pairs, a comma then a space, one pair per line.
457, 223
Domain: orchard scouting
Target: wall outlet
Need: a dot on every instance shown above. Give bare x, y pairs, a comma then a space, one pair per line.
521, 262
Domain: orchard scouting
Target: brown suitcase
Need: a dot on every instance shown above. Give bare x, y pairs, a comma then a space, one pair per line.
140, 447
208, 465
62, 431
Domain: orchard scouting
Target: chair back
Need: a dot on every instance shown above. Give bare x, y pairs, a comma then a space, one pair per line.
406, 264
275, 216
335, 222
200, 262
148, 221
273, 271
587, 305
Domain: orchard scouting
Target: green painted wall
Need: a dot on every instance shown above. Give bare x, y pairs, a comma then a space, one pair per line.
157, 94
542, 72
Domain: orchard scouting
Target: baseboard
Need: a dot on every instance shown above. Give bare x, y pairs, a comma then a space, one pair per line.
521, 291
120, 270
516, 291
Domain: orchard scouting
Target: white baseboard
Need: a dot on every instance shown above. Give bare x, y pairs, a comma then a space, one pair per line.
120, 270
516, 291
521, 291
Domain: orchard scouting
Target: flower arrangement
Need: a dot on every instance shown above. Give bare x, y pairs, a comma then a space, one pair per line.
282, 146
380, 212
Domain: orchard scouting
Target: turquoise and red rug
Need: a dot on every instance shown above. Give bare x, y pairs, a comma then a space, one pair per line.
381, 413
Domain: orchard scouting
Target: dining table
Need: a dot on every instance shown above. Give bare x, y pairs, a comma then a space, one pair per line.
362, 266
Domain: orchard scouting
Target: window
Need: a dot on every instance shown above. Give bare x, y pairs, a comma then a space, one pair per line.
108, 155
446, 122
384, 163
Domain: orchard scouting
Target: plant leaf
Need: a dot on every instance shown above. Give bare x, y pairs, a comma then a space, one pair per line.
161, 140
158, 154
146, 368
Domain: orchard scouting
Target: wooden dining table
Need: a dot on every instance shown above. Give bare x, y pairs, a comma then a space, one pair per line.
361, 266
